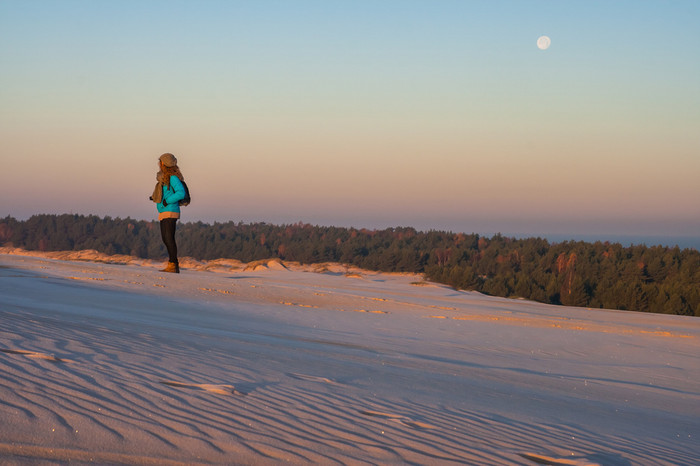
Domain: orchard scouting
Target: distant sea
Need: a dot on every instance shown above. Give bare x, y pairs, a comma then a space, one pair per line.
683, 242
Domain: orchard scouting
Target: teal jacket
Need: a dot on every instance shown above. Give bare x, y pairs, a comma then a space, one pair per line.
171, 196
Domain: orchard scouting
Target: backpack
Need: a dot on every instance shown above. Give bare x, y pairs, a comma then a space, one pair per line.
187, 199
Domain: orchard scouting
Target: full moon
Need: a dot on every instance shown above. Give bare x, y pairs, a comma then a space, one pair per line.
543, 42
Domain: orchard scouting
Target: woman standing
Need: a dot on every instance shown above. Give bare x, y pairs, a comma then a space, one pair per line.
167, 194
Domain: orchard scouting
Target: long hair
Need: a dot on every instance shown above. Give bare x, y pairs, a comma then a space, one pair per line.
170, 171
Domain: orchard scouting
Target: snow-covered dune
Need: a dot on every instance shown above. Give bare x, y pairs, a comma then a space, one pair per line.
272, 362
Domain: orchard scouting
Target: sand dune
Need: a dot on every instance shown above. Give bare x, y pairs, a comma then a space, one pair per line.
105, 359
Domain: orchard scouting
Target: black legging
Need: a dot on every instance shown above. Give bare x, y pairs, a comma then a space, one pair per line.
167, 232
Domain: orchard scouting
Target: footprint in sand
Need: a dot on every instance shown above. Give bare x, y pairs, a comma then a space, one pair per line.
287, 303
311, 378
367, 311
33, 354
211, 388
88, 278
542, 459
215, 290
400, 419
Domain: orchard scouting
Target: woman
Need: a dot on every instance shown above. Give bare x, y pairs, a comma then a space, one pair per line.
167, 194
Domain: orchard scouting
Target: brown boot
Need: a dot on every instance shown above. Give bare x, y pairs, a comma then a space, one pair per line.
172, 267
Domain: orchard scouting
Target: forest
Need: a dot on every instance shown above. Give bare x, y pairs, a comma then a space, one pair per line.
595, 275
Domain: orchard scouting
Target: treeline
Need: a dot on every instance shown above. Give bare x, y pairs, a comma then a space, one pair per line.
600, 275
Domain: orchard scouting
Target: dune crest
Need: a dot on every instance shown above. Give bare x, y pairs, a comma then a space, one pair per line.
189, 263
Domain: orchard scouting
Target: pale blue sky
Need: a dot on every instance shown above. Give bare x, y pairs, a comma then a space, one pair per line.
433, 114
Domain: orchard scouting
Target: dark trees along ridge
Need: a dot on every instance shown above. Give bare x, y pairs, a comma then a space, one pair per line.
597, 275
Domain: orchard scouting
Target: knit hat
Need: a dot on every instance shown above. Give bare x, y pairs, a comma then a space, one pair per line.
168, 160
